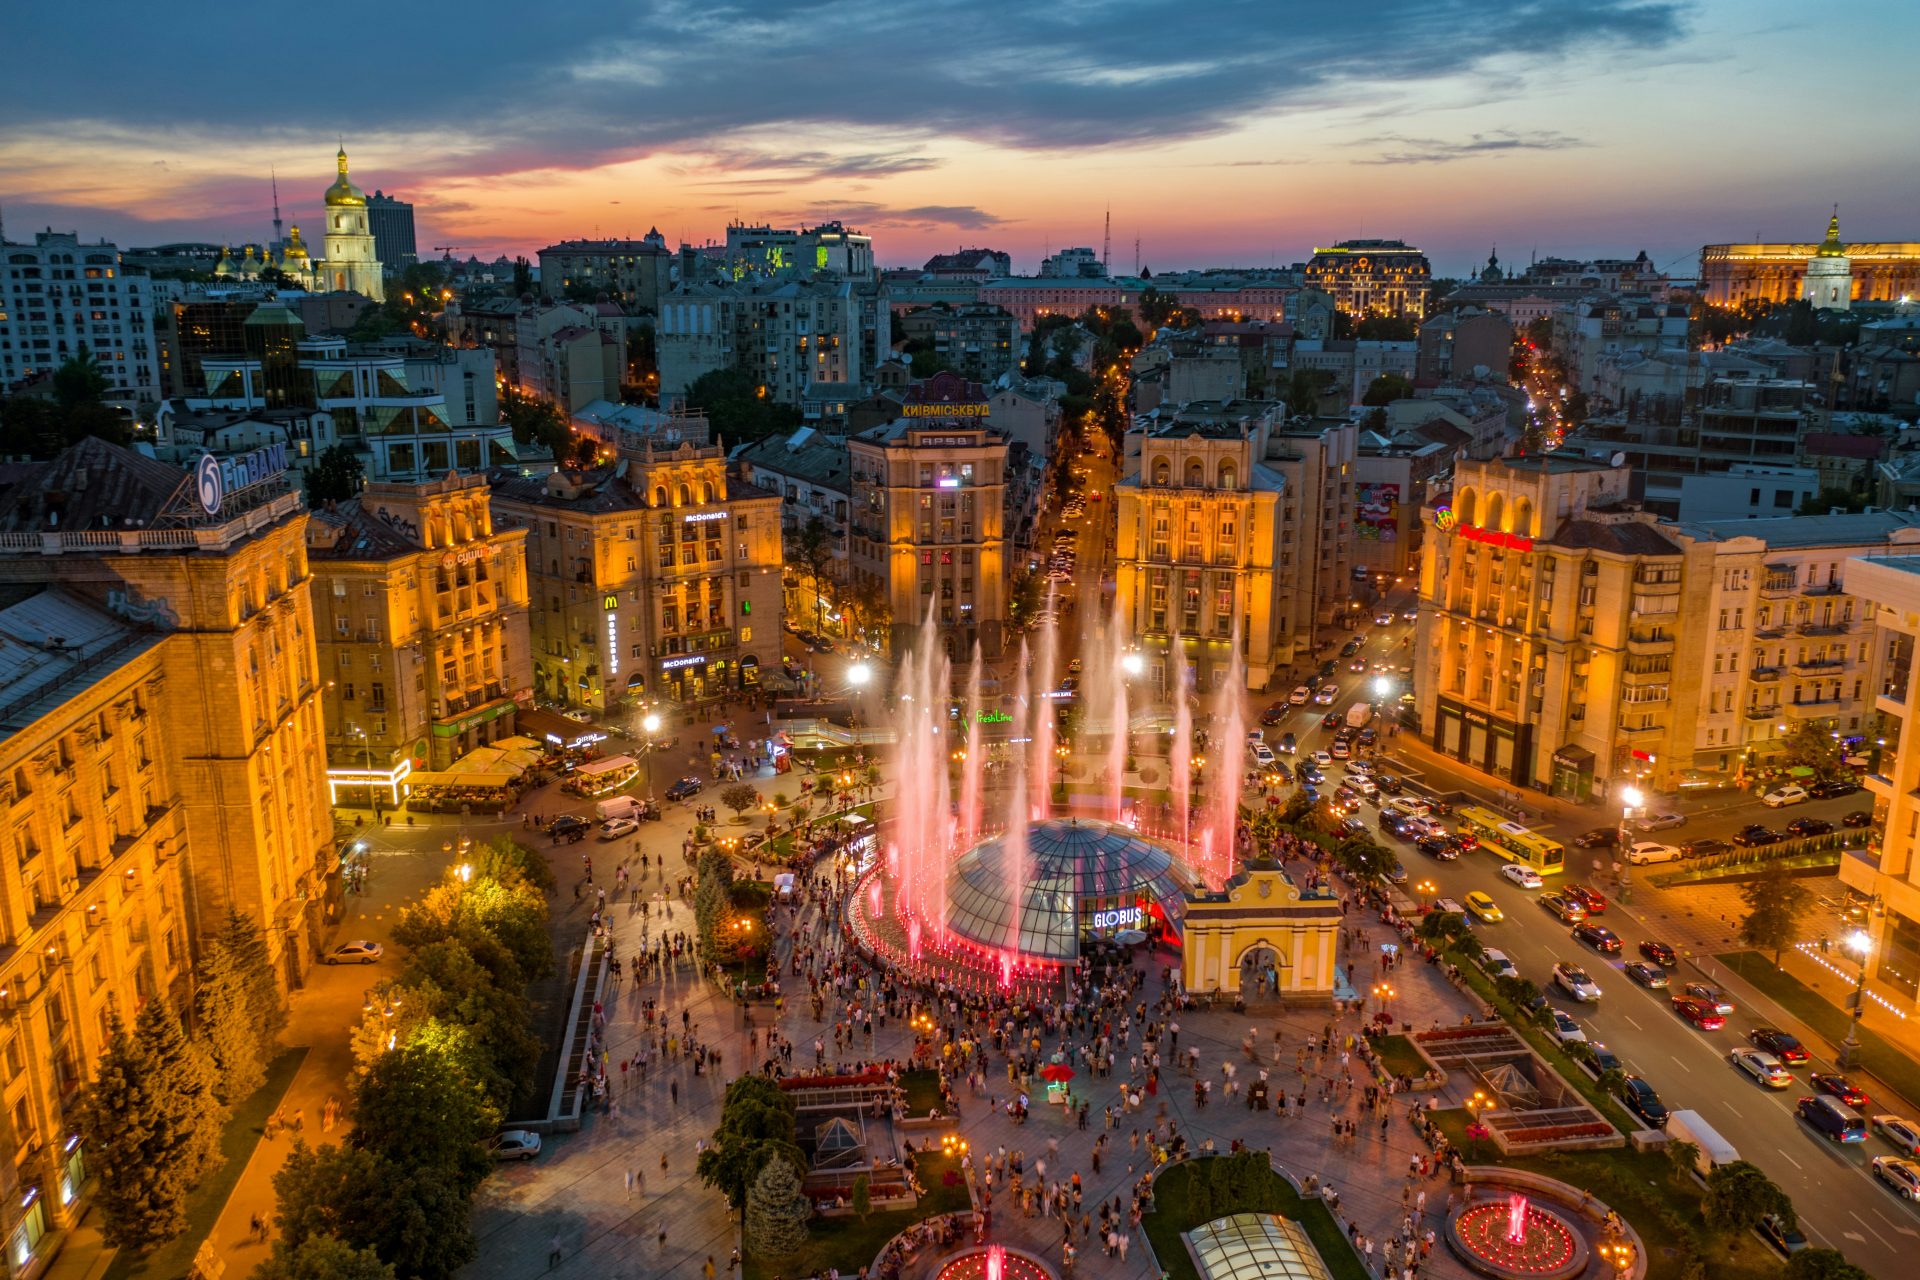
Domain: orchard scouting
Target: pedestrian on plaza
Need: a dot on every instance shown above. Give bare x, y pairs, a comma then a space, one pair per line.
554, 1252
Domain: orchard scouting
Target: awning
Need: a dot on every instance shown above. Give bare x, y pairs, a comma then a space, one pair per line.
518, 742
1574, 756
612, 764
499, 781
1800, 771
556, 730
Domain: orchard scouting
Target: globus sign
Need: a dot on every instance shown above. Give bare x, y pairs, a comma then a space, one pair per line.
1118, 918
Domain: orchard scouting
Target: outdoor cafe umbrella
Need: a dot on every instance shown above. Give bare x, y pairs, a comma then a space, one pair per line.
1057, 1073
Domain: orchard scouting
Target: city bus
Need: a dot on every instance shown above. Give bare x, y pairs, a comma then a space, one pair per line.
1510, 840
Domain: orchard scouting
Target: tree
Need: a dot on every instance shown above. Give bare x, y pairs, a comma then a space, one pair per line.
1025, 594
535, 421
248, 946
1200, 1202
756, 1125
141, 1196
323, 1257
777, 1212
413, 1218
862, 1196
1387, 388
417, 1107
712, 897
1377, 328
813, 555
738, 408
1821, 1263
522, 276
1811, 747
1832, 499
1775, 902
739, 797
335, 475
1684, 1156
183, 1085
1305, 390
1739, 1195
226, 1024
79, 380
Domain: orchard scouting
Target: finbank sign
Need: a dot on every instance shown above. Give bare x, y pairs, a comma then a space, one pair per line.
216, 478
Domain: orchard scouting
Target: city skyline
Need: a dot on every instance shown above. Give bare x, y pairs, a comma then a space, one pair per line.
1557, 129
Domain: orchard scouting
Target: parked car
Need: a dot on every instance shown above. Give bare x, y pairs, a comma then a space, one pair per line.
685, 788
1858, 818
1781, 797
1703, 848
1754, 836
515, 1144
1646, 852
1522, 874
1650, 976
1712, 995
1573, 980
1778, 1043
614, 828
1831, 1120
1565, 1029
360, 951
1699, 1013
1598, 838
1661, 821
1902, 1133
1784, 1239
1497, 965
1902, 1175
1599, 937
568, 828
1660, 953
1809, 827
1588, 898
1637, 1096
1569, 911
1838, 1086
1763, 1067
1274, 714
1832, 790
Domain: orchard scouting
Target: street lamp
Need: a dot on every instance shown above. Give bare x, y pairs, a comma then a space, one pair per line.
1134, 664
1630, 799
1382, 686
858, 674
1849, 1052
651, 723
1426, 888
1383, 992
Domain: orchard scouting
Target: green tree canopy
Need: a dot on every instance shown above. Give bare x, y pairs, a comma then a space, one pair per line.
739, 409
811, 553
536, 422
183, 1081
739, 797
419, 1108
1775, 903
777, 1212
1739, 1195
1306, 388
229, 1031
335, 476
79, 380
1387, 388
756, 1125
141, 1193
1377, 328
412, 1216
1820, 1263
322, 1257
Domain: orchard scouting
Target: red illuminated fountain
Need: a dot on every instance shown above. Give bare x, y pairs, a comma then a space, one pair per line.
993, 1263
1512, 1237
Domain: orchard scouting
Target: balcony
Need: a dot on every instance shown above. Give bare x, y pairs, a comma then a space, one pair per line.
1762, 713
1812, 708
1765, 674
1823, 589
1648, 645
1635, 733
1838, 628
1820, 666
1777, 588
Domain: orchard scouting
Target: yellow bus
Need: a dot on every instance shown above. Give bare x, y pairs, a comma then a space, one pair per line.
1510, 840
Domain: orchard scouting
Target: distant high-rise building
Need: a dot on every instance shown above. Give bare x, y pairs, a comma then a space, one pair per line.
57, 296
392, 221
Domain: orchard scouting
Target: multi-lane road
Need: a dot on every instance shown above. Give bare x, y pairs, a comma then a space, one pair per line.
1839, 1202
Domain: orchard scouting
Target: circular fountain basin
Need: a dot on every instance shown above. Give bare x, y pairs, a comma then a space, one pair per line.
1550, 1247
973, 1265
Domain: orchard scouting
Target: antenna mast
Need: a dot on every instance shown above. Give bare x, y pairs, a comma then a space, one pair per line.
274, 178
1106, 245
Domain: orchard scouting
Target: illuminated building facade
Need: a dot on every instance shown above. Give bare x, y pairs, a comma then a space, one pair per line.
1264, 936
1373, 277
351, 262
58, 295
654, 579
638, 272
161, 761
927, 524
423, 630
1884, 271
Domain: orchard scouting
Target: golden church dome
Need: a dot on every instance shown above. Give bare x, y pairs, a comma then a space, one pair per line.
343, 192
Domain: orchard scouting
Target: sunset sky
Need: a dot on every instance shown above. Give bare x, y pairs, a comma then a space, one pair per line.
1217, 133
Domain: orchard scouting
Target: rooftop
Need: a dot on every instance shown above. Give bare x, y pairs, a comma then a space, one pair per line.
53, 644
1626, 537
1847, 529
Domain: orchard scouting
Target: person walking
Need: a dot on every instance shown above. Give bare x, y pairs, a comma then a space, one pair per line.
554, 1252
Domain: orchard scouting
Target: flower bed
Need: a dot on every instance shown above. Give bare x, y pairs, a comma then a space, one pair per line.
1555, 1132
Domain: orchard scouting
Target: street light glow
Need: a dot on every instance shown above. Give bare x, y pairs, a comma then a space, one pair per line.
1631, 797
651, 724
1133, 664
1860, 941
858, 674
1382, 686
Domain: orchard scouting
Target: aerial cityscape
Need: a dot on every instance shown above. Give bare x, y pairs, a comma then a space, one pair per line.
1147, 644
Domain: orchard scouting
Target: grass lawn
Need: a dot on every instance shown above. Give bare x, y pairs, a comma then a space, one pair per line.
1398, 1055
1662, 1204
850, 1244
1173, 1214
237, 1142
1883, 1059
922, 1088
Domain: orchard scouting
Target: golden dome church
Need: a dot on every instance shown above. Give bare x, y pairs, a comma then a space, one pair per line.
347, 241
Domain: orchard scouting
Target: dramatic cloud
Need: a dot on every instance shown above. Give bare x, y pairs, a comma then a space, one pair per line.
1404, 150
920, 216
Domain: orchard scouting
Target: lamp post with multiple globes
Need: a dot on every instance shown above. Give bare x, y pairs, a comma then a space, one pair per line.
1848, 1055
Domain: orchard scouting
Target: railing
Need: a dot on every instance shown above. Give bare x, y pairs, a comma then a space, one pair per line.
53, 542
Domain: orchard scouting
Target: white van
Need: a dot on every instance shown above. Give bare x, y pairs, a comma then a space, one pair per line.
1689, 1126
616, 807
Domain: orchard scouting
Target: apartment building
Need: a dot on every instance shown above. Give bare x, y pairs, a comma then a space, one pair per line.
57, 296
1373, 277
638, 272
789, 336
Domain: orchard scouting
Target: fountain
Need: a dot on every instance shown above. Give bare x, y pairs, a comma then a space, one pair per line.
995, 1262
1512, 1236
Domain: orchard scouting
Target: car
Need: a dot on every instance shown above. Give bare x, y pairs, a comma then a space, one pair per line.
1754, 836
1809, 827
1522, 874
1838, 1086
1323, 760
1366, 787
1366, 737
1831, 1120
1646, 852
569, 828
1497, 965
1345, 795
1778, 1043
1711, 995
1699, 1013
1358, 664
1901, 1132
1342, 748
1832, 790
1781, 797
1409, 615
1436, 847
1325, 695
614, 828
1352, 646
1858, 818
1763, 1067
515, 1144
360, 951
1565, 1029
1660, 953
1661, 821
685, 788
1383, 618
1359, 767
1299, 695
1275, 714
1398, 827
1352, 827
1569, 911
1481, 904
1637, 1096
1599, 937
1280, 771
1260, 753
1650, 976
1573, 980
1288, 744
1703, 848
1448, 906
1598, 838
1588, 898
1785, 1240
1902, 1175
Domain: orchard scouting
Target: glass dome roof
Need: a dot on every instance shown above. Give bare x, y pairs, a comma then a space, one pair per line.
1067, 861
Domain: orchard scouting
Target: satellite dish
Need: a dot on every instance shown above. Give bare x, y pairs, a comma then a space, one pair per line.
1617, 460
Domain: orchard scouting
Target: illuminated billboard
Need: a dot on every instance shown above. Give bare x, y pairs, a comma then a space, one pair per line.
1377, 518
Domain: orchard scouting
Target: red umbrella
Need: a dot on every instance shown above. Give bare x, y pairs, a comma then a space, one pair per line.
1058, 1073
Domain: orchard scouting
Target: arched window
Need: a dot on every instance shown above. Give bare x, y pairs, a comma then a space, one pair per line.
1229, 476
1464, 504
1162, 471
706, 491
1196, 474
659, 495
1521, 522
1496, 513
686, 495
